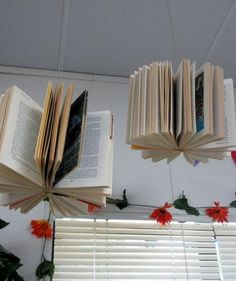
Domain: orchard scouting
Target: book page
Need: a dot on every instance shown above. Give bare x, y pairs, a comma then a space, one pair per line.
211, 99
217, 109
162, 95
199, 102
135, 120
203, 93
43, 126
178, 100
143, 101
166, 97
64, 117
218, 103
203, 107
148, 102
74, 136
20, 136
6, 180
229, 119
154, 115
138, 120
187, 126
172, 101
47, 141
94, 167
130, 108
4, 112
193, 97
55, 129
160, 154
188, 96
2, 109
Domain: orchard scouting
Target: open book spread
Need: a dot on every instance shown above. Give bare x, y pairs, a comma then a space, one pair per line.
191, 112
58, 153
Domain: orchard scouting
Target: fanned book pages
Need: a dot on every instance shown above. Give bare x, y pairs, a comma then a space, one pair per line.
191, 112
58, 153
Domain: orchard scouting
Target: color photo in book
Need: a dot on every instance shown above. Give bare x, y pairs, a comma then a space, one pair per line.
74, 141
199, 90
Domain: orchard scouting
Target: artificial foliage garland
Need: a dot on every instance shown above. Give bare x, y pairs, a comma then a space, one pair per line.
216, 212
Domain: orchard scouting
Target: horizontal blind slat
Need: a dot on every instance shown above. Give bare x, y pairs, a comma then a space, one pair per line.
129, 243
129, 224
136, 250
125, 262
64, 235
140, 269
156, 256
127, 276
135, 232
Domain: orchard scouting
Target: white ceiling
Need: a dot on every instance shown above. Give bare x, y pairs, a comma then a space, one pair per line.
114, 37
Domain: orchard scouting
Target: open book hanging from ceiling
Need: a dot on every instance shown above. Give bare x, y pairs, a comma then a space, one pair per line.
54, 153
191, 112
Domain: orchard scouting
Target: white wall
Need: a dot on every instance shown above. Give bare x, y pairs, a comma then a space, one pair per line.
146, 182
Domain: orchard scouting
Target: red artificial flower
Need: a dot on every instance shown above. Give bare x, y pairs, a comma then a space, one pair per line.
41, 228
92, 207
217, 213
233, 155
162, 215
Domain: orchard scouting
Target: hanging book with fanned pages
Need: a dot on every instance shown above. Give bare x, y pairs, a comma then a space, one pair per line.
191, 112
58, 153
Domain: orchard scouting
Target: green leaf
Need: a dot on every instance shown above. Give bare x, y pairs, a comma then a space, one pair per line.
120, 203
182, 204
8, 264
14, 276
233, 204
45, 268
192, 211
3, 223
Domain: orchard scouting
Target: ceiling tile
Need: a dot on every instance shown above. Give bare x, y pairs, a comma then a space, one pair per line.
195, 24
30, 33
115, 37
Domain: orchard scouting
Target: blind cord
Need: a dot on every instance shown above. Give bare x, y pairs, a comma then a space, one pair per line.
172, 251
218, 255
94, 250
171, 182
185, 255
107, 253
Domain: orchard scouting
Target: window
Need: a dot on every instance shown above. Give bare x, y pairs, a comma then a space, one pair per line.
143, 250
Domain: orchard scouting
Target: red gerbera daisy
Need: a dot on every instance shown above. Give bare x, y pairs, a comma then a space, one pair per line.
162, 215
233, 155
41, 228
217, 213
92, 207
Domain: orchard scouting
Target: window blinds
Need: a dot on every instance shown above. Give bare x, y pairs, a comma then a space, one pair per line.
226, 244
134, 250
